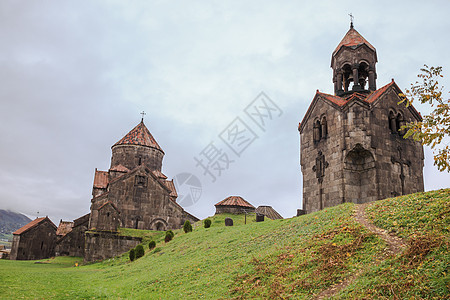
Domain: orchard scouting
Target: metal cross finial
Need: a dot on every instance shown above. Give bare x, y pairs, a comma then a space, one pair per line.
351, 20
143, 114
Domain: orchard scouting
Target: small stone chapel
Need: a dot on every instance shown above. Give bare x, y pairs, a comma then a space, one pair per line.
351, 146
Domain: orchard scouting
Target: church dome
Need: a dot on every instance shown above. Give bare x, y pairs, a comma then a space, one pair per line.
137, 147
139, 135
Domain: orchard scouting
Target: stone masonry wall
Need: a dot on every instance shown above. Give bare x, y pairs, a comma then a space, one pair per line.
132, 156
101, 245
364, 160
36, 243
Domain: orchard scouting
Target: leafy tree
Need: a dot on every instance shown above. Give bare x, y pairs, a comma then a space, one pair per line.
435, 127
187, 227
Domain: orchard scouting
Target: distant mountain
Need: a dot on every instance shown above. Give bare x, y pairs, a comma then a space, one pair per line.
11, 221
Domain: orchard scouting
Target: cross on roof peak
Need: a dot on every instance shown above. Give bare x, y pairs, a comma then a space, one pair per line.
143, 114
351, 20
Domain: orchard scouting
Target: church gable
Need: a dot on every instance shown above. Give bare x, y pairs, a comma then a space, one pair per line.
388, 97
318, 106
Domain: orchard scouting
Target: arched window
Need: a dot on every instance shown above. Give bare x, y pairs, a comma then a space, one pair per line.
400, 121
317, 131
320, 129
392, 122
324, 127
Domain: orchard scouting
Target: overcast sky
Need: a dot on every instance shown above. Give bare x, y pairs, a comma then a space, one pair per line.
74, 76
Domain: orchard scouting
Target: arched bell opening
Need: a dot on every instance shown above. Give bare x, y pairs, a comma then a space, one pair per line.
347, 76
363, 74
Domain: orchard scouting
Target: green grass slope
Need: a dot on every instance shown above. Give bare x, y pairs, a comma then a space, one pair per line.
292, 258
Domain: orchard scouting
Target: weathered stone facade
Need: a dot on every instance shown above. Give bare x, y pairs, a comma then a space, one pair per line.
102, 244
133, 193
140, 194
72, 244
36, 240
351, 146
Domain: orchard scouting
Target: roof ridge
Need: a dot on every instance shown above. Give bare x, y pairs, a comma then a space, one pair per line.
32, 224
235, 200
139, 135
352, 39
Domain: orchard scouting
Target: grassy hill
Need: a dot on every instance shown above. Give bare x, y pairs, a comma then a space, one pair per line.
292, 258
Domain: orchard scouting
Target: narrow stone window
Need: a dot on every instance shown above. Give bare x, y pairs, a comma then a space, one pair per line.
140, 180
399, 123
317, 131
324, 127
392, 122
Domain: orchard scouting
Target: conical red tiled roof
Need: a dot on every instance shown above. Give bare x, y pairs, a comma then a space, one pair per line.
234, 201
352, 39
139, 135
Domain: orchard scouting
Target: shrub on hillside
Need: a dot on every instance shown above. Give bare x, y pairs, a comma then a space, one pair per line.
187, 227
132, 254
139, 251
151, 245
207, 223
169, 236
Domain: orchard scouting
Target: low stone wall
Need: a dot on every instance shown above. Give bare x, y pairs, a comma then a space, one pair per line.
100, 245
233, 209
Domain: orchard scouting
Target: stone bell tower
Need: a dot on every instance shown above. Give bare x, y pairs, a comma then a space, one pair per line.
351, 143
353, 63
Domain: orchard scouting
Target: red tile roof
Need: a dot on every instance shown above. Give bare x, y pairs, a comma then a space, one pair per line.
64, 227
335, 99
139, 135
159, 174
234, 201
101, 179
376, 94
369, 98
171, 186
269, 212
352, 39
120, 168
32, 224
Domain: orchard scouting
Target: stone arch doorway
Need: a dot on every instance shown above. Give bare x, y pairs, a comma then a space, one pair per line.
159, 225
360, 176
